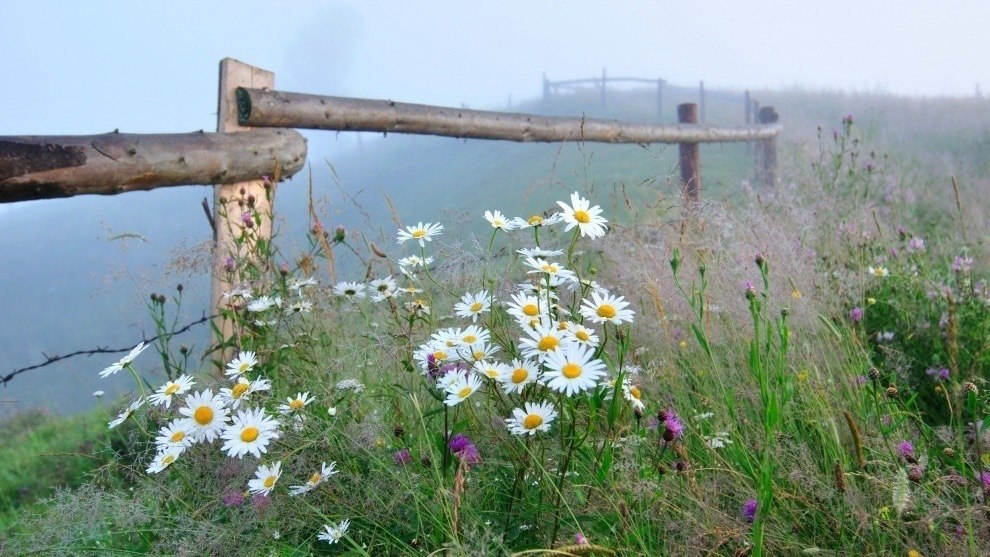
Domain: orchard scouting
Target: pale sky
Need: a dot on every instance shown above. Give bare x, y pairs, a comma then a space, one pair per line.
87, 67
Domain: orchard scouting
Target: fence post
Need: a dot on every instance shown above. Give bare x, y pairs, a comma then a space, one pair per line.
701, 100
690, 158
546, 88
766, 149
749, 117
237, 198
603, 88
659, 100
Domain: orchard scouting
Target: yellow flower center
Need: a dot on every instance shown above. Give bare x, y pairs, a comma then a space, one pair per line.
172, 389
531, 310
562, 326
550, 268
582, 216
245, 366
419, 233
203, 415
606, 311
535, 220
519, 375
548, 343
169, 459
634, 391
532, 421
439, 355
491, 373
296, 404
315, 478
476, 307
470, 339
248, 434
178, 436
463, 393
582, 335
571, 370
478, 355
270, 481
239, 390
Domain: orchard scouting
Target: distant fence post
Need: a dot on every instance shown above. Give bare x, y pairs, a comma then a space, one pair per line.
603, 88
701, 100
766, 149
659, 100
546, 88
690, 159
237, 199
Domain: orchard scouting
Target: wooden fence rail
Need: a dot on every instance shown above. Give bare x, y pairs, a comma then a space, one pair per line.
42, 167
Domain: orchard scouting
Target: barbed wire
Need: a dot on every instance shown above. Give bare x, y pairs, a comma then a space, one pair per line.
99, 350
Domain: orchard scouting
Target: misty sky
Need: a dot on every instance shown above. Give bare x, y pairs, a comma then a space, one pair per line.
84, 67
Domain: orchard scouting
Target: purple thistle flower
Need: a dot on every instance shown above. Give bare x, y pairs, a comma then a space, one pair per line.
916, 244
938, 374
464, 449
432, 367
985, 479
962, 264
856, 314
579, 539
246, 218
229, 264
749, 509
673, 426
906, 448
402, 457
459, 442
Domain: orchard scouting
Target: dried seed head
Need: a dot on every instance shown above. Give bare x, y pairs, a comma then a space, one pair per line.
892, 391
970, 387
949, 452
874, 373
840, 477
915, 473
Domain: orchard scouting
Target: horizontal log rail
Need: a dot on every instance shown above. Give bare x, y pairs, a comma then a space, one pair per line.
265, 108
42, 167
598, 80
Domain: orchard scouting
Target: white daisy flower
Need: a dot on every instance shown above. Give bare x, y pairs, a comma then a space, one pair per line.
606, 308
98, 394
447, 337
163, 460
407, 264
515, 377
633, 395
176, 435
539, 252
296, 285
418, 307
242, 389
243, 363
473, 305
490, 370
878, 271
264, 303
126, 413
473, 334
526, 307
461, 388
349, 289
125, 361
421, 232
532, 418
295, 405
242, 292
207, 414
572, 369
541, 341
438, 351
498, 220
332, 533
581, 214
265, 478
249, 432
383, 289
299, 306
315, 479
476, 352
165, 393
537, 220
583, 335
557, 272
410, 290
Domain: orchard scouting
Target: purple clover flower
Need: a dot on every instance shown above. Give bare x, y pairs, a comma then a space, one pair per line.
232, 498
579, 539
985, 479
916, 244
261, 502
962, 264
906, 448
402, 457
856, 314
749, 509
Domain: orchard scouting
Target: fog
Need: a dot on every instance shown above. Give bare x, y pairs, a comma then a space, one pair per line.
84, 68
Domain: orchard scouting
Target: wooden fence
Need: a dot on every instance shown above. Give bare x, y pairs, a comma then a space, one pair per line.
235, 158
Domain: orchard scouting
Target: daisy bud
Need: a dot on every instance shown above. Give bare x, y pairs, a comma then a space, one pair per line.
242, 191
760, 260
251, 201
339, 234
222, 200
183, 349
179, 287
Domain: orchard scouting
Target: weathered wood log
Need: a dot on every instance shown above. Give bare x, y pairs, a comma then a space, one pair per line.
690, 156
42, 167
265, 108
766, 150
